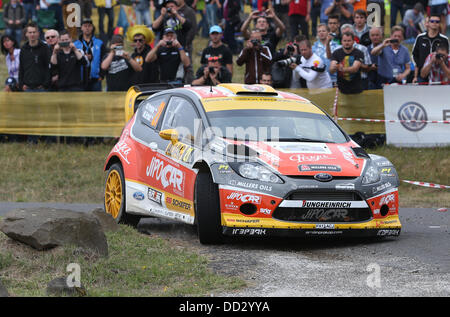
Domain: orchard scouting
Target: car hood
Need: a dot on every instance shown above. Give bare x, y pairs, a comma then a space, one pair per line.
308, 158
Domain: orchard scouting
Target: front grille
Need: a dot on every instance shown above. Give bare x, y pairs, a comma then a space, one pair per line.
324, 195
339, 215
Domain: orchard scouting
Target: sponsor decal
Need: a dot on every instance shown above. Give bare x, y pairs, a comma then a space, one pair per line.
323, 232
249, 185
224, 169
166, 174
300, 158
298, 147
348, 155
325, 226
319, 167
254, 88
412, 111
387, 199
346, 186
323, 177
388, 232
265, 211
245, 198
249, 232
154, 195
383, 163
248, 220
138, 196
325, 214
325, 204
381, 187
178, 203
123, 149
179, 151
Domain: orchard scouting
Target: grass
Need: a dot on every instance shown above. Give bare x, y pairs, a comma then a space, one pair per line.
74, 173
138, 265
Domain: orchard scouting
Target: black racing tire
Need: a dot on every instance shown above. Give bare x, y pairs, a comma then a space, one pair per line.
115, 197
207, 209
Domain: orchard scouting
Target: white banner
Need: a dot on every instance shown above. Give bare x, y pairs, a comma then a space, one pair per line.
414, 108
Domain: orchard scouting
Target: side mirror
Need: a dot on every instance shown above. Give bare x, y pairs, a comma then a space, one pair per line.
169, 134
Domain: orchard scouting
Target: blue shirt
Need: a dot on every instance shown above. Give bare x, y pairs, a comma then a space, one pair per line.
323, 7
390, 63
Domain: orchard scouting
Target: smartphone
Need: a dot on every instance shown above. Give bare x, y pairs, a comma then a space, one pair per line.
64, 44
119, 50
394, 41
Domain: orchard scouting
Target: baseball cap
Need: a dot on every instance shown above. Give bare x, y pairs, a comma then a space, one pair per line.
87, 20
215, 28
169, 1
168, 30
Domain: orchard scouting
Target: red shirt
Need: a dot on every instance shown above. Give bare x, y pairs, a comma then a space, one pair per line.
298, 7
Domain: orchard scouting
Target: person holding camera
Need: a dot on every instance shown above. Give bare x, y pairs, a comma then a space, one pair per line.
256, 57
311, 68
170, 57
342, 9
212, 74
171, 18
119, 66
393, 58
67, 61
436, 67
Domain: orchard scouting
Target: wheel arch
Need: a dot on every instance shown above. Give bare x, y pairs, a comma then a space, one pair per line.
112, 160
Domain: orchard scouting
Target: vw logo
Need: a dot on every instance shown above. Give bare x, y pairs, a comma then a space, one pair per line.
323, 177
412, 111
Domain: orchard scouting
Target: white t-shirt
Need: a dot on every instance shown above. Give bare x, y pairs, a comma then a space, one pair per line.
314, 79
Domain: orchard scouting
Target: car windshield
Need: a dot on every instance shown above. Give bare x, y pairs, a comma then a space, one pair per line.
275, 125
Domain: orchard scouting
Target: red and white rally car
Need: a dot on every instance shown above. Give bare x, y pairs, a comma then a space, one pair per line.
246, 160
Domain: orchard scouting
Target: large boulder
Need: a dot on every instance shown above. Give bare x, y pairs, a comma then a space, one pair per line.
45, 228
106, 220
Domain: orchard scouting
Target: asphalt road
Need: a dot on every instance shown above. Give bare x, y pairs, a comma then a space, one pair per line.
415, 264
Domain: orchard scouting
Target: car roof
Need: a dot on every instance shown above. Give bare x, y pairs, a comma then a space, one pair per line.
225, 97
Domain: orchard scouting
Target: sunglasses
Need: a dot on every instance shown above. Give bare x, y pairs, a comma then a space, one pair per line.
50, 37
138, 40
213, 58
435, 21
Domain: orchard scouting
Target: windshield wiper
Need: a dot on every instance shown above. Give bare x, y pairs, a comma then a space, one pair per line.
298, 140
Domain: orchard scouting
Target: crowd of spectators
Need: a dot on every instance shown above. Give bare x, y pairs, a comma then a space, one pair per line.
324, 44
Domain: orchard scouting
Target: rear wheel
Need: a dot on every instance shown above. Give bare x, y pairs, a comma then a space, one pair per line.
207, 209
115, 197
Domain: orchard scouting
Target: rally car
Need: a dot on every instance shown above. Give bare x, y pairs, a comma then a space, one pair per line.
246, 160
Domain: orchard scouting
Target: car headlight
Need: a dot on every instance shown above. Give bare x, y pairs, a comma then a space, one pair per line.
257, 172
371, 176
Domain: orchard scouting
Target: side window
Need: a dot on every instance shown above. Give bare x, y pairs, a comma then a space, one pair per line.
151, 109
180, 115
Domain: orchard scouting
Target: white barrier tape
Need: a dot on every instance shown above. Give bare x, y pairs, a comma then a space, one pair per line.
424, 184
395, 121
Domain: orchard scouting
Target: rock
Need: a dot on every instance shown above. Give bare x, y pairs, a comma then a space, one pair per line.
45, 228
59, 287
106, 220
3, 291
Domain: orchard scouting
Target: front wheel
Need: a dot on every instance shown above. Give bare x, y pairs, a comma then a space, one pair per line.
207, 209
115, 197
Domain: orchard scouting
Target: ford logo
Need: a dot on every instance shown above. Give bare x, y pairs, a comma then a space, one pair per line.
323, 177
138, 196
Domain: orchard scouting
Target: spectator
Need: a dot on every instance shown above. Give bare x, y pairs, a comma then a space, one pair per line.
323, 6
105, 7
86, 8
315, 15
142, 10
30, 9
266, 79
171, 18
10, 48
376, 37
51, 37
94, 50
212, 74
393, 58
34, 61
347, 62
14, 18
358, 4
217, 48
396, 7
342, 9
212, 6
334, 29
68, 60
282, 73
299, 16
311, 68
414, 21
270, 37
56, 6
256, 57
191, 16
425, 44
320, 48
361, 28
437, 65
119, 66
200, 7
439, 8
281, 8
231, 9
170, 57
142, 36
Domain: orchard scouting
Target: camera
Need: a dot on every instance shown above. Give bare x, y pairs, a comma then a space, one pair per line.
288, 61
255, 42
118, 50
394, 41
169, 10
439, 56
64, 44
211, 70
169, 43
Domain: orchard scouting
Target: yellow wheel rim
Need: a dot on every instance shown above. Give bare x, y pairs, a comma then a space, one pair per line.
113, 194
